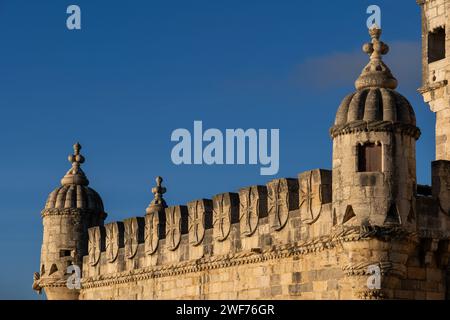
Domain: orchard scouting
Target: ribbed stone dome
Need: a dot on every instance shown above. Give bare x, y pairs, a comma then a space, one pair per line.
74, 196
375, 104
74, 192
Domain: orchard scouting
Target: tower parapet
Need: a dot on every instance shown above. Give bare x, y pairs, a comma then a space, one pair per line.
374, 155
69, 211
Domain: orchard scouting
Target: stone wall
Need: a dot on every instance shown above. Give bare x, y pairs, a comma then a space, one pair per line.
285, 244
435, 14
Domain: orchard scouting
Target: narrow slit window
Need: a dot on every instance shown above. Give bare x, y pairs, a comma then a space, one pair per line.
369, 158
436, 45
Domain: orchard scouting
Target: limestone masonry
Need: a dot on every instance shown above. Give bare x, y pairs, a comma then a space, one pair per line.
316, 236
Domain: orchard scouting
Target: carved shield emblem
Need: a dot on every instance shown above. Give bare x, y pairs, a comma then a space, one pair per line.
278, 203
151, 232
196, 222
222, 216
250, 199
131, 237
112, 241
312, 194
94, 246
173, 227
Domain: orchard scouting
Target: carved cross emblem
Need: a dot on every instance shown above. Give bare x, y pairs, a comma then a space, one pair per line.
131, 237
196, 222
151, 232
278, 203
173, 227
222, 217
249, 204
94, 248
112, 241
310, 199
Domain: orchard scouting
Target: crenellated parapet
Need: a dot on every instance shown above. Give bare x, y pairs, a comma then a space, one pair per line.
255, 219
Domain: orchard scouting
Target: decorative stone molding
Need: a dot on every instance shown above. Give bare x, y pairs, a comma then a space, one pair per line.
71, 212
386, 268
377, 126
336, 238
433, 86
371, 294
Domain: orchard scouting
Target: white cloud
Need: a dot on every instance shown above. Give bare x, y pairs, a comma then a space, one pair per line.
341, 69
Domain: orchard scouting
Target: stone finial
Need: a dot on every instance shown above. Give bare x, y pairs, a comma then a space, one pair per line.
158, 202
75, 175
376, 73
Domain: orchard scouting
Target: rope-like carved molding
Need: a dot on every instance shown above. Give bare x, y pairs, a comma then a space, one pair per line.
377, 126
371, 294
52, 283
337, 237
386, 268
360, 269
70, 212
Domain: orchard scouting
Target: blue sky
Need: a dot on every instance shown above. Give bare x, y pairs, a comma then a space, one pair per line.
138, 71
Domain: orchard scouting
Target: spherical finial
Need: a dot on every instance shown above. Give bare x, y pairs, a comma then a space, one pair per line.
75, 175
376, 73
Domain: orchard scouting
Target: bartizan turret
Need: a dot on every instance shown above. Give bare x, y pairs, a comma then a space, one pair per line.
374, 149
70, 210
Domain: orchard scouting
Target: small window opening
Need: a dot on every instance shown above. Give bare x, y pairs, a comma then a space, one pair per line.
65, 253
369, 158
436, 45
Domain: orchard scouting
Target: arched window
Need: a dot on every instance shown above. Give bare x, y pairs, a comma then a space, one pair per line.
369, 157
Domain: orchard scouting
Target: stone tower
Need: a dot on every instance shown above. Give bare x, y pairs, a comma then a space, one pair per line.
435, 65
374, 159
69, 211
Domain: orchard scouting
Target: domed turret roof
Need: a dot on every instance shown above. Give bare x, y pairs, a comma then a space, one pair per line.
375, 105
74, 192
